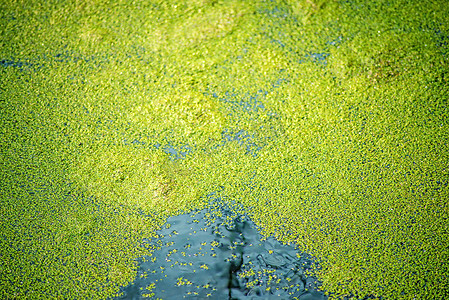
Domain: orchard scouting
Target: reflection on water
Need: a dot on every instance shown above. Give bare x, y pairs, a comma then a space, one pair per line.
217, 253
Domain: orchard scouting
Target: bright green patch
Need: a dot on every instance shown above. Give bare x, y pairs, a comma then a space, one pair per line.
340, 106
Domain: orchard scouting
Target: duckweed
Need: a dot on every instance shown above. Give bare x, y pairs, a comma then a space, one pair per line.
327, 121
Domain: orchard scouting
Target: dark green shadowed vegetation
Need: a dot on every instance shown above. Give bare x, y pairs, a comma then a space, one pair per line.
326, 120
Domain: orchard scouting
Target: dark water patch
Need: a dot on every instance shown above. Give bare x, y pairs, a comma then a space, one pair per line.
96, 61
15, 64
442, 42
244, 138
218, 253
178, 151
175, 150
246, 103
319, 58
335, 41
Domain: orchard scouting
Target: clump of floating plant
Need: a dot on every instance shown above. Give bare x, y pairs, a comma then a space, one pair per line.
183, 112
326, 120
137, 177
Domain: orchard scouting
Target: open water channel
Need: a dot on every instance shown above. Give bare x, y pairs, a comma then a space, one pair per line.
218, 253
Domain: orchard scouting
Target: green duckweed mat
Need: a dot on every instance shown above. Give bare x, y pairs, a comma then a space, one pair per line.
326, 120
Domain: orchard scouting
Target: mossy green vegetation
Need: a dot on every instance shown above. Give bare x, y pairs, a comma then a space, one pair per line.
326, 120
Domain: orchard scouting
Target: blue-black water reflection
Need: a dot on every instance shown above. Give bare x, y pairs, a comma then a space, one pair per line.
217, 253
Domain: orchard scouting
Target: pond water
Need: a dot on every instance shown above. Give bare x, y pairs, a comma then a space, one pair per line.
218, 253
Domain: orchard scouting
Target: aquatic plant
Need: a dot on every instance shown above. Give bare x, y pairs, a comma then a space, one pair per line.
326, 120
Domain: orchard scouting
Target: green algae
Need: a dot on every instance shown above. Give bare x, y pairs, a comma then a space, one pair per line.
350, 118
